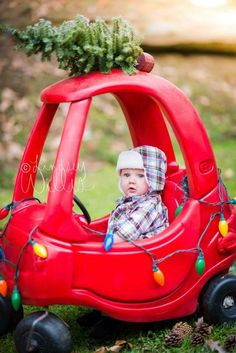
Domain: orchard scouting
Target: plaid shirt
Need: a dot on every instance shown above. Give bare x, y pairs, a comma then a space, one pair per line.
138, 217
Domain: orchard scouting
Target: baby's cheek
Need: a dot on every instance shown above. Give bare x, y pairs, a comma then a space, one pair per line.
145, 185
123, 187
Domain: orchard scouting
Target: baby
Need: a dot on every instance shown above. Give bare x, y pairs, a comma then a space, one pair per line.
140, 213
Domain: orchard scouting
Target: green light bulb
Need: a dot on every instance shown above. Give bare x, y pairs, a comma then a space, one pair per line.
16, 298
200, 264
179, 209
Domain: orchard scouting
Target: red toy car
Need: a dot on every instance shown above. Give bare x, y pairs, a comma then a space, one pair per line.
50, 255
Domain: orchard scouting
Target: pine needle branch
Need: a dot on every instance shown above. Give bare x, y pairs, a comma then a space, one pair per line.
82, 46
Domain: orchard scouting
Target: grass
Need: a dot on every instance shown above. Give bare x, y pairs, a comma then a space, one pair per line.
226, 161
146, 338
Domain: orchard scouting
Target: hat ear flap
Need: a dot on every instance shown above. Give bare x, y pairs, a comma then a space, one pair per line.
146, 178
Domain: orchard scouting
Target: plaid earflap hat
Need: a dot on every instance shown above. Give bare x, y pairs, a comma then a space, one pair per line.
149, 158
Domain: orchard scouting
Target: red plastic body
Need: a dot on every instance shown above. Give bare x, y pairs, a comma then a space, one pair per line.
78, 270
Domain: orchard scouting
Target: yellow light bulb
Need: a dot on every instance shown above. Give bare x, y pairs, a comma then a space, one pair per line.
223, 226
40, 250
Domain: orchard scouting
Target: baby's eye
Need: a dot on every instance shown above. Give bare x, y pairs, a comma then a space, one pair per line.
126, 175
141, 175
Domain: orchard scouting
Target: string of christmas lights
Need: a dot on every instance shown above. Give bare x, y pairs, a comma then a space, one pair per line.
39, 249
200, 262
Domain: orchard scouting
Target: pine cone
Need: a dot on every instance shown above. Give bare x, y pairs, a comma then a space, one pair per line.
230, 343
173, 339
203, 328
196, 339
182, 328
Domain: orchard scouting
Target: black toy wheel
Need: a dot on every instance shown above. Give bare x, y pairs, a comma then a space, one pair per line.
9, 318
42, 332
218, 300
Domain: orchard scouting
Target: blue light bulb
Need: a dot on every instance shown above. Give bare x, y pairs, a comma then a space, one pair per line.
108, 241
1, 254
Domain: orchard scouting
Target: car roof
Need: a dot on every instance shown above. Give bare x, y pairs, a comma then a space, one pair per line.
95, 83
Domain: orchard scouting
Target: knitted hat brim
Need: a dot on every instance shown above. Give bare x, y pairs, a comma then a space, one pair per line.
129, 160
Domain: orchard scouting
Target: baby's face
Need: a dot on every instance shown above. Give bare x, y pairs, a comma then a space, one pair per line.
133, 182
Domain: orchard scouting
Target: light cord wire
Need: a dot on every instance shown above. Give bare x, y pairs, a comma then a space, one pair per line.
29, 346
12, 206
186, 197
29, 241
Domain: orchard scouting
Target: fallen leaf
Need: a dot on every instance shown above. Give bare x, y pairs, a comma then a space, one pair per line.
22, 104
115, 349
3, 63
100, 350
215, 346
200, 320
119, 345
228, 173
204, 100
122, 342
8, 97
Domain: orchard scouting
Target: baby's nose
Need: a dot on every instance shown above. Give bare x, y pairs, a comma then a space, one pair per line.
132, 180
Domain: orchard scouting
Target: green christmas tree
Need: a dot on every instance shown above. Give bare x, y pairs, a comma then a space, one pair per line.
82, 46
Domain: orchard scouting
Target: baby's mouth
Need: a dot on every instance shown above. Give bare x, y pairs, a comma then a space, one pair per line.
132, 190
